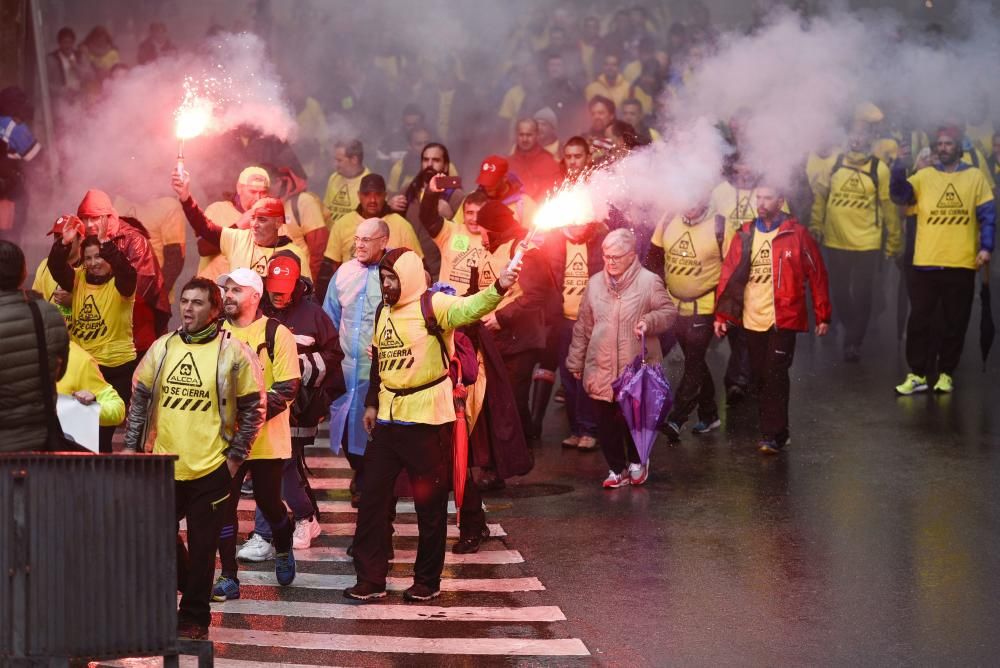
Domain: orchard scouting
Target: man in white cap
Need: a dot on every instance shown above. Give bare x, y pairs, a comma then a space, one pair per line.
253, 184
278, 356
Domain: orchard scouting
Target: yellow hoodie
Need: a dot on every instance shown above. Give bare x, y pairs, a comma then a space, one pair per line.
409, 356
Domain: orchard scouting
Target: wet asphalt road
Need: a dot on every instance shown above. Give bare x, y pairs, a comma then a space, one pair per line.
872, 540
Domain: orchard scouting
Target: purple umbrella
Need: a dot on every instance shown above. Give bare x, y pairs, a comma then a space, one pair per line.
644, 396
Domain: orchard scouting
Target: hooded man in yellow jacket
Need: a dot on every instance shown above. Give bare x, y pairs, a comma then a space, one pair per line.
409, 413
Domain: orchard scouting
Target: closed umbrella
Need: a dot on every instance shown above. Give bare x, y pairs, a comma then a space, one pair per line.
987, 328
643, 394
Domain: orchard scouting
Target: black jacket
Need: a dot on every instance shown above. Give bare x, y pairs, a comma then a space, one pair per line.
319, 363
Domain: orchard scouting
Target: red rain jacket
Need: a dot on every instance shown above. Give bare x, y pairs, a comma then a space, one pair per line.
796, 260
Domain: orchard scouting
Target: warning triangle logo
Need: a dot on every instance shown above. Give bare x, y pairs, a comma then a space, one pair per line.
343, 196
260, 266
763, 257
185, 372
950, 199
486, 274
853, 185
389, 338
577, 266
89, 312
743, 210
684, 247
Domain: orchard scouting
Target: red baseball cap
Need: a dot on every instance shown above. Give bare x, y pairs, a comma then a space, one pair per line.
68, 221
282, 274
493, 171
271, 207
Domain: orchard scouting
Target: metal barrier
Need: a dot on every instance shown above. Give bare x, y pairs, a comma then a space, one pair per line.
87, 557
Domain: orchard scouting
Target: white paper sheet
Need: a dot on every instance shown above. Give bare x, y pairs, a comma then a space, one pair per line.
79, 421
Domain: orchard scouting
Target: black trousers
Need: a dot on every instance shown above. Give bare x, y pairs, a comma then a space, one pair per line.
520, 367
738, 367
771, 355
425, 452
694, 334
267, 475
202, 502
120, 378
852, 286
612, 431
940, 306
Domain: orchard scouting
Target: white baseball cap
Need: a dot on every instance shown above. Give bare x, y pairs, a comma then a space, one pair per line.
248, 278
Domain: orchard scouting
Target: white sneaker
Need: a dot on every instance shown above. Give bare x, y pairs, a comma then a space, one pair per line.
637, 473
256, 549
616, 480
305, 531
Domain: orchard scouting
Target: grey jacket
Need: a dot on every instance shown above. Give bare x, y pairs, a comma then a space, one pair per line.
604, 339
23, 422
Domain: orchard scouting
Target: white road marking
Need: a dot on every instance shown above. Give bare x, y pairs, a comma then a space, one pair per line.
347, 529
248, 503
397, 644
322, 581
327, 463
484, 556
405, 612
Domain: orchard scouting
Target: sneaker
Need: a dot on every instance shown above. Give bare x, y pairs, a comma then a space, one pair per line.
703, 426
671, 430
638, 473
571, 441
616, 480
851, 354
419, 592
587, 443
225, 589
284, 568
560, 396
768, 446
305, 531
247, 488
912, 384
364, 591
192, 631
256, 549
944, 384
470, 544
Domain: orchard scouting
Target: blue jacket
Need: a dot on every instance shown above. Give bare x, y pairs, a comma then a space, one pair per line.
352, 298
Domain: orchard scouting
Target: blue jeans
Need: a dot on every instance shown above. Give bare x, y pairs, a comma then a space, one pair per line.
579, 407
293, 491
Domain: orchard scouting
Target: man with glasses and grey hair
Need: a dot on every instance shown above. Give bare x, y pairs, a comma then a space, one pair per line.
621, 305
351, 301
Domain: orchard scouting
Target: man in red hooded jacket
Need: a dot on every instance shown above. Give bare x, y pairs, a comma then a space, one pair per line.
763, 290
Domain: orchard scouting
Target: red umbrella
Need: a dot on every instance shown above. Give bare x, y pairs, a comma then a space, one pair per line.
460, 440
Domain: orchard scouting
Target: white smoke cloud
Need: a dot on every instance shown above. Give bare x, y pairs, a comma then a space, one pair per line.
125, 143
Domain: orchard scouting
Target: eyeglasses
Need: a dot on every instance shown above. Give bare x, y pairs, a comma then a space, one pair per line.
615, 259
367, 240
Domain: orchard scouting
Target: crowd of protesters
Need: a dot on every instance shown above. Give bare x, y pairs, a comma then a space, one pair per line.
390, 304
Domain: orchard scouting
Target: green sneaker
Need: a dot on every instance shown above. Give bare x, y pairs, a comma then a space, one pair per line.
912, 384
944, 384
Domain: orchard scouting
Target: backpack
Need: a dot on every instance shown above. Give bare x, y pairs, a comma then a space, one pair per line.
270, 331
872, 174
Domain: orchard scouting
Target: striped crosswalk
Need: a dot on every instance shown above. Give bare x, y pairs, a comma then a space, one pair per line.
490, 603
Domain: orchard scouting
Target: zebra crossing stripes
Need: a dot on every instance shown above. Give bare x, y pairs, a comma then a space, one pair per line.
339, 554
400, 645
345, 506
393, 584
399, 612
403, 530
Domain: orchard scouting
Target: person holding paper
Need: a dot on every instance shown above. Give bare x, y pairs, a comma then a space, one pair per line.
85, 383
